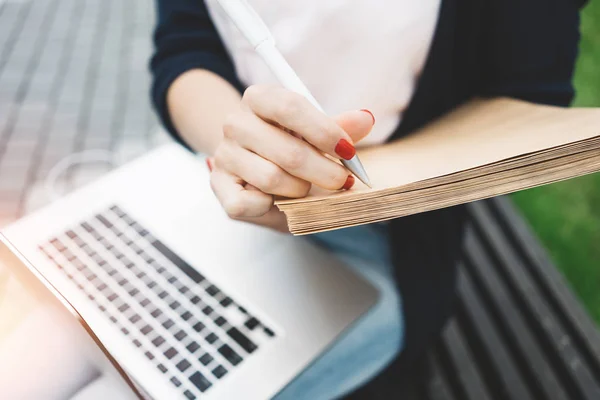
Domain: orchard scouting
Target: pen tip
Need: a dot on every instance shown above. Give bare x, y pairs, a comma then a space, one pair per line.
356, 167
364, 179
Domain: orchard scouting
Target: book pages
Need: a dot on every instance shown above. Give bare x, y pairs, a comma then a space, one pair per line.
484, 148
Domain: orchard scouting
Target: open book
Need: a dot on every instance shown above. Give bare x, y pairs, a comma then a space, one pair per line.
483, 149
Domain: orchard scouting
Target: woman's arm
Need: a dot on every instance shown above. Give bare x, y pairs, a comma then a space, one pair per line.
194, 80
198, 103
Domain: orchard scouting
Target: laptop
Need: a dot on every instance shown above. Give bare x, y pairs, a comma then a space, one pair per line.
183, 301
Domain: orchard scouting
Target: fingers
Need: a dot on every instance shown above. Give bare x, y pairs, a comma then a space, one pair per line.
274, 219
291, 154
295, 112
357, 124
237, 201
259, 172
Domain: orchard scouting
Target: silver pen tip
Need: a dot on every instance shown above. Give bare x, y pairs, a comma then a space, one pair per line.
356, 167
367, 182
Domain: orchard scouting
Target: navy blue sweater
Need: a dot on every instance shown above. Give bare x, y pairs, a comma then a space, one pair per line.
519, 48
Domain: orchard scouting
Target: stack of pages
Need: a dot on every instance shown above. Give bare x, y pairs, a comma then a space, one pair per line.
483, 149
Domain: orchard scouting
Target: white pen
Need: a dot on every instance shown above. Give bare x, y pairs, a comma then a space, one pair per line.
256, 31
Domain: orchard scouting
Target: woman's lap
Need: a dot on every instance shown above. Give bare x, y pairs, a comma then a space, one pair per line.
371, 343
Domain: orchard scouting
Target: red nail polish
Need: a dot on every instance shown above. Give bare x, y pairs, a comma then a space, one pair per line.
345, 149
209, 165
370, 113
349, 183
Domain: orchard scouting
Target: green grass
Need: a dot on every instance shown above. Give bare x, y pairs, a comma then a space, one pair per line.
566, 215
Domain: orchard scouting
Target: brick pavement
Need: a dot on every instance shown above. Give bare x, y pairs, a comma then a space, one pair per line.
73, 77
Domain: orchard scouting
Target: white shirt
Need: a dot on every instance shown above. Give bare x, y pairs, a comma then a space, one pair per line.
351, 54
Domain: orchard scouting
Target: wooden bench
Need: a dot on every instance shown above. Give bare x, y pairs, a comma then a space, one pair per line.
518, 333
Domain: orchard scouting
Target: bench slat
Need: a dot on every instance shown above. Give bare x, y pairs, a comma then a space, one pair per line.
438, 387
546, 327
494, 360
556, 291
522, 344
463, 366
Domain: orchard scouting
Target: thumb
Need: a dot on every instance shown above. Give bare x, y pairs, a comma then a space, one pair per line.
357, 124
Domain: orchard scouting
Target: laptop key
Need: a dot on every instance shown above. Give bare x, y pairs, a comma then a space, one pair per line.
58, 245
134, 318
189, 395
269, 332
156, 313
183, 365
178, 261
186, 315
117, 210
192, 347
175, 381
230, 355
146, 329
168, 323
159, 340
226, 302
184, 289
104, 221
200, 381
211, 338
199, 327
180, 335
206, 359
212, 290
252, 323
219, 371
242, 340
170, 353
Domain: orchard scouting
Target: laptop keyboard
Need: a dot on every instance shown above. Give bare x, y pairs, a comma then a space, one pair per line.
192, 331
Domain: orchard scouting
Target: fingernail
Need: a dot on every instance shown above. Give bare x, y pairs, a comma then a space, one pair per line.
370, 113
349, 183
345, 149
209, 165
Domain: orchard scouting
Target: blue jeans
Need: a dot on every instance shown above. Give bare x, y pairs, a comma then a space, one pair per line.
374, 341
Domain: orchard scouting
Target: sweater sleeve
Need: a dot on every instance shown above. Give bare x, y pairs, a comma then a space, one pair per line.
532, 48
185, 38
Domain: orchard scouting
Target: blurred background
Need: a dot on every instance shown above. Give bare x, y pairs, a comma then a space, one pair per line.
566, 215
74, 78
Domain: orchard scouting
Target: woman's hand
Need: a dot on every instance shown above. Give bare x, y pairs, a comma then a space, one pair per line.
276, 144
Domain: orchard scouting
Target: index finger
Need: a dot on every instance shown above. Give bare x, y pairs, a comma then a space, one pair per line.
294, 112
